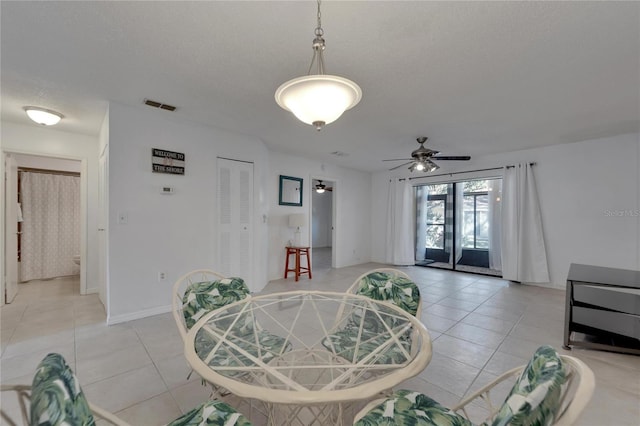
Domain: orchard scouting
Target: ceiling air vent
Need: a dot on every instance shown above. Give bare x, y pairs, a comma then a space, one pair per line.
156, 104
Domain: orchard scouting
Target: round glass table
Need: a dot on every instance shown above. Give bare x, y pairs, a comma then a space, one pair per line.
310, 356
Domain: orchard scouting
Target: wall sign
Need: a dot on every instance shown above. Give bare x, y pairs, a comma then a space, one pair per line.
164, 161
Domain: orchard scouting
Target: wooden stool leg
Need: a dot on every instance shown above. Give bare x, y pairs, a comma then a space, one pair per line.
286, 265
297, 264
308, 263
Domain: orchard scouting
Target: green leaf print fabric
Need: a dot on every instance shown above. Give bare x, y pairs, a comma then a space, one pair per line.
345, 343
399, 290
203, 297
535, 397
268, 347
56, 396
406, 408
212, 413
373, 328
534, 400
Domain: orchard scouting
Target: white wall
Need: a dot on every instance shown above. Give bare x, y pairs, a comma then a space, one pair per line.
321, 216
351, 196
589, 196
170, 233
36, 140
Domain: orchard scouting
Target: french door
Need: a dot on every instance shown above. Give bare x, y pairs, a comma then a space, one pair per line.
458, 226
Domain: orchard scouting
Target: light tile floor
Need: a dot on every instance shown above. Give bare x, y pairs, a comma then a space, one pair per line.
480, 326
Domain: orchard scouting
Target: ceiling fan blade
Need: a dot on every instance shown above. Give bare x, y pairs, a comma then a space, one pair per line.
399, 159
452, 157
401, 165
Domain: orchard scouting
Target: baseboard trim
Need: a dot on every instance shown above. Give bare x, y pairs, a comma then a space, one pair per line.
117, 319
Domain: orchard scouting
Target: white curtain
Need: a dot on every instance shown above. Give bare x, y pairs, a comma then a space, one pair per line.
51, 225
400, 224
524, 257
421, 222
495, 235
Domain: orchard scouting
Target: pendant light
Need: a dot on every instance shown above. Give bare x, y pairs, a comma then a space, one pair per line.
318, 99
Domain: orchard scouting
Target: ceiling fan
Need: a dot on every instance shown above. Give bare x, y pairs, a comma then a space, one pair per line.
421, 158
321, 187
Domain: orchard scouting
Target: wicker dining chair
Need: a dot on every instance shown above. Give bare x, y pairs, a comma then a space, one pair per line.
55, 398
551, 389
356, 333
201, 291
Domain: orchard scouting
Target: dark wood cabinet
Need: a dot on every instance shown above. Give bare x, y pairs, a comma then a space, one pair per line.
604, 305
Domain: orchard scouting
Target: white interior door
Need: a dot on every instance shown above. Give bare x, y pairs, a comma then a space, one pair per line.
103, 179
11, 228
235, 219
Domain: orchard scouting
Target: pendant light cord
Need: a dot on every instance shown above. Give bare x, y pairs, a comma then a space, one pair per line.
318, 46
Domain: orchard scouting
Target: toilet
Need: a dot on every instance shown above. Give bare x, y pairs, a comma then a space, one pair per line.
76, 260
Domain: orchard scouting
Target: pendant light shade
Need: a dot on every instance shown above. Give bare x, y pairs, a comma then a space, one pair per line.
43, 116
318, 99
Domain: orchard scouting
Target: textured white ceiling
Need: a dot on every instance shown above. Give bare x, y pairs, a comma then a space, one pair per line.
475, 77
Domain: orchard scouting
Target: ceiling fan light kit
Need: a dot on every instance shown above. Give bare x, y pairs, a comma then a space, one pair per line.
421, 158
320, 187
318, 99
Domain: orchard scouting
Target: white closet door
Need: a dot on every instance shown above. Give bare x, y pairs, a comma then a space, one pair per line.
235, 219
103, 223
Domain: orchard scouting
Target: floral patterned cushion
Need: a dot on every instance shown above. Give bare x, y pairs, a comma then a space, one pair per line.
345, 344
56, 396
384, 286
268, 347
211, 413
203, 297
406, 407
535, 397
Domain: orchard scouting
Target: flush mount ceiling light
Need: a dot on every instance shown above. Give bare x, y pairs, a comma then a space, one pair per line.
320, 187
43, 116
318, 99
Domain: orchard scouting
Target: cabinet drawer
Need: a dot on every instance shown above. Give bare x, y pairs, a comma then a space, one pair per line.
614, 322
625, 300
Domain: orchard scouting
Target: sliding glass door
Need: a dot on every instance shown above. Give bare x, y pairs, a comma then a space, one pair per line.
458, 226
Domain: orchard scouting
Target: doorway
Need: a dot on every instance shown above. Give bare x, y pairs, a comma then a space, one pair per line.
14, 254
322, 223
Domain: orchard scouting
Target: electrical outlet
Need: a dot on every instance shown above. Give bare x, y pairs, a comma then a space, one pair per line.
162, 276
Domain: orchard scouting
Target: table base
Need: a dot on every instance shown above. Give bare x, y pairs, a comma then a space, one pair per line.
340, 414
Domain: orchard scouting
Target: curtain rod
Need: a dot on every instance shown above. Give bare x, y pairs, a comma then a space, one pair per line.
468, 171
48, 172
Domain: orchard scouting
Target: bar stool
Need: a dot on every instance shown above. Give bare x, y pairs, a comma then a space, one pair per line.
297, 268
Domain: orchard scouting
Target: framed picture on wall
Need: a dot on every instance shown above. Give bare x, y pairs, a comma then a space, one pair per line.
290, 191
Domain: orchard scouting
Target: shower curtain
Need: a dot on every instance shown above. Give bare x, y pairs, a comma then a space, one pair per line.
51, 225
